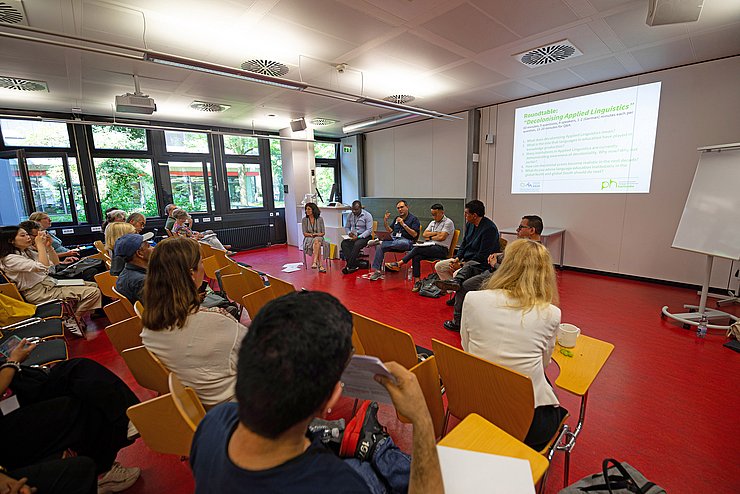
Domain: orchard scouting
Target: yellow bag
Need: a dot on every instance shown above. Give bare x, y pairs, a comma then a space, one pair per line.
13, 310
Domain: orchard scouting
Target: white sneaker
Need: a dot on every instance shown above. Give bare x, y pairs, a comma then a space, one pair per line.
375, 241
376, 275
118, 478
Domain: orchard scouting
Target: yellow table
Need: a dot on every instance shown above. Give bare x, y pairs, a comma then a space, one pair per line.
475, 433
577, 373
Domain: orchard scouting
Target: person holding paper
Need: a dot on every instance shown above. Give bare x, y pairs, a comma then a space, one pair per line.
289, 370
437, 239
513, 322
359, 228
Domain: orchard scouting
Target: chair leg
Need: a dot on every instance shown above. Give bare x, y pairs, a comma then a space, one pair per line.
447, 422
543, 481
566, 468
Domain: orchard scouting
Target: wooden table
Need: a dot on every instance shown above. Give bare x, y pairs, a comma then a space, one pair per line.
475, 433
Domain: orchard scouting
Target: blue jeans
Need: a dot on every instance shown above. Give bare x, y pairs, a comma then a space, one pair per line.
387, 472
395, 245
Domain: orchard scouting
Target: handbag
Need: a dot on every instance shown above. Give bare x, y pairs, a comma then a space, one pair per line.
85, 268
13, 310
429, 289
620, 478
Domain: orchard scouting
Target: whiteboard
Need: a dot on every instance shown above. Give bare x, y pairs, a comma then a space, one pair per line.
710, 223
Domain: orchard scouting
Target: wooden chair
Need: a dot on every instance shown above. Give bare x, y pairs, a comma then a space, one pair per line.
280, 287
101, 247
187, 402
106, 282
385, 342
257, 299
125, 334
116, 311
357, 344
126, 302
146, 368
47, 310
450, 252
237, 286
428, 376
139, 308
161, 425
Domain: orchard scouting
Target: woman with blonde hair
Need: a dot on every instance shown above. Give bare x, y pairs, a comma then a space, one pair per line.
513, 322
198, 344
113, 232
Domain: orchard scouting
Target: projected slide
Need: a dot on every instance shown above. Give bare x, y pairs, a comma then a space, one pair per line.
594, 144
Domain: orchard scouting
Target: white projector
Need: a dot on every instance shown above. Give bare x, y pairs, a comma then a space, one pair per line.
135, 103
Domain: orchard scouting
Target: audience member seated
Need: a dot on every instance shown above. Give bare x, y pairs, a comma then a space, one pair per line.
359, 228
513, 322
170, 222
113, 215
480, 241
138, 220
199, 345
289, 371
29, 270
33, 228
439, 232
78, 404
63, 476
45, 221
135, 250
313, 235
181, 228
405, 231
115, 231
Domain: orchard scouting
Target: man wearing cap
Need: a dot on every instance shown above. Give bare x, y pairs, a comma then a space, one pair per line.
134, 249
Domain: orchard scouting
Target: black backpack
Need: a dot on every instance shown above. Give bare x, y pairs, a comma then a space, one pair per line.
429, 289
85, 269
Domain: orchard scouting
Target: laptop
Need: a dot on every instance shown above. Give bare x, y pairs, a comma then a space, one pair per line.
383, 235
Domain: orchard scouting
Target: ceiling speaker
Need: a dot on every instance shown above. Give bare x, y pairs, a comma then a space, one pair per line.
662, 12
299, 124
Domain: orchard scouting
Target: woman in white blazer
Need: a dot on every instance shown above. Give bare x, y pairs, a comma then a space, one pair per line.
513, 322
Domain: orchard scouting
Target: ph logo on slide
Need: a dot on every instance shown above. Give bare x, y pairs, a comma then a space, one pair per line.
615, 184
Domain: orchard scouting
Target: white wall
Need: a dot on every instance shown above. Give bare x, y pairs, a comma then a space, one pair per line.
425, 159
298, 162
628, 233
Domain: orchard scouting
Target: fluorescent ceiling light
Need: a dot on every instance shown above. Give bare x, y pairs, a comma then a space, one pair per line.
222, 70
387, 105
372, 122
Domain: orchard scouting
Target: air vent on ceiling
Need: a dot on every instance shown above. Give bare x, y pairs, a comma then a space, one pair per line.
321, 122
22, 84
549, 54
401, 99
12, 12
266, 67
209, 107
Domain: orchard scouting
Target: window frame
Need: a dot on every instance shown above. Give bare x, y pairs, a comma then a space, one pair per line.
168, 196
332, 163
68, 179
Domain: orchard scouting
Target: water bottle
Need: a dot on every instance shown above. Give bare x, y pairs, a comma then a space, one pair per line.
409, 274
701, 329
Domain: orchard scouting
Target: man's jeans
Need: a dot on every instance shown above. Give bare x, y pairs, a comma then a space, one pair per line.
388, 471
395, 245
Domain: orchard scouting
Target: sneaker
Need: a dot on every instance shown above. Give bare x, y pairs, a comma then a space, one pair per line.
417, 287
376, 275
118, 478
375, 241
330, 432
363, 433
393, 266
452, 284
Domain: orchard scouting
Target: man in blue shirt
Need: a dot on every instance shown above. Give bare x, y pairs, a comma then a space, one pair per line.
289, 370
405, 231
134, 249
359, 228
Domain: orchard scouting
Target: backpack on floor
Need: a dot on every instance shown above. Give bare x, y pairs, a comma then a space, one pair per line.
621, 478
429, 289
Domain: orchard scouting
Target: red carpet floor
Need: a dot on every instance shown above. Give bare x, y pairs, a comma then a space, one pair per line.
665, 402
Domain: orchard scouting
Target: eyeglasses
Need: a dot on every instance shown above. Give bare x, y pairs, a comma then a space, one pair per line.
520, 227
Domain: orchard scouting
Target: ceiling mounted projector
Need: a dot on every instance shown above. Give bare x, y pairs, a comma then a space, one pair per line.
136, 102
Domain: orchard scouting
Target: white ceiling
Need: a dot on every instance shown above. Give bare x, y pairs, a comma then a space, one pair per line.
452, 55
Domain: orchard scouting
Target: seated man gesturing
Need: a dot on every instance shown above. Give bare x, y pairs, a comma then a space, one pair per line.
404, 231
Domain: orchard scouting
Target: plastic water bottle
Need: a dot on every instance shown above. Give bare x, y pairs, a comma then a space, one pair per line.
701, 329
409, 274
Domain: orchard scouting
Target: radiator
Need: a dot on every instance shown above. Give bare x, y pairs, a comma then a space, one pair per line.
245, 237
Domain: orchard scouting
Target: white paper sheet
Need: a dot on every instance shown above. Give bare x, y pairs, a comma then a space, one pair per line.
359, 379
465, 471
292, 266
69, 282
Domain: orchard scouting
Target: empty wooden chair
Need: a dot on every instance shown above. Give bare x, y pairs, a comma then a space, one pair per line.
146, 368
125, 334
428, 376
280, 287
237, 286
257, 299
116, 311
385, 342
106, 282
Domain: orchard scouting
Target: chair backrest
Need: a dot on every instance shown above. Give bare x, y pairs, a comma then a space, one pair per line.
139, 308
257, 299
428, 376
126, 302
116, 311
475, 385
187, 402
453, 244
10, 290
280, 287
106, 282
357, 343
125, 334
100, 246
238, 285
211, 264
161, 425
385, 342
230, 268
146, 368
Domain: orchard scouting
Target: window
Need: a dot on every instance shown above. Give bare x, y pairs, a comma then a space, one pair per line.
14, 209
116, 137
244, 184
77, 197
50, 189
34, 133
327, 169
276, 163
325, 178
326, 150
126, 183
188, 185
242, 145
186, 142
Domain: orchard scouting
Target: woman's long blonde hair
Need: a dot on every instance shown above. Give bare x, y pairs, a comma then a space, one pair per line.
527, 275
114, 231
170, 294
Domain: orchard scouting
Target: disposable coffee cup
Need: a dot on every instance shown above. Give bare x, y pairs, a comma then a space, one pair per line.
568, 335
